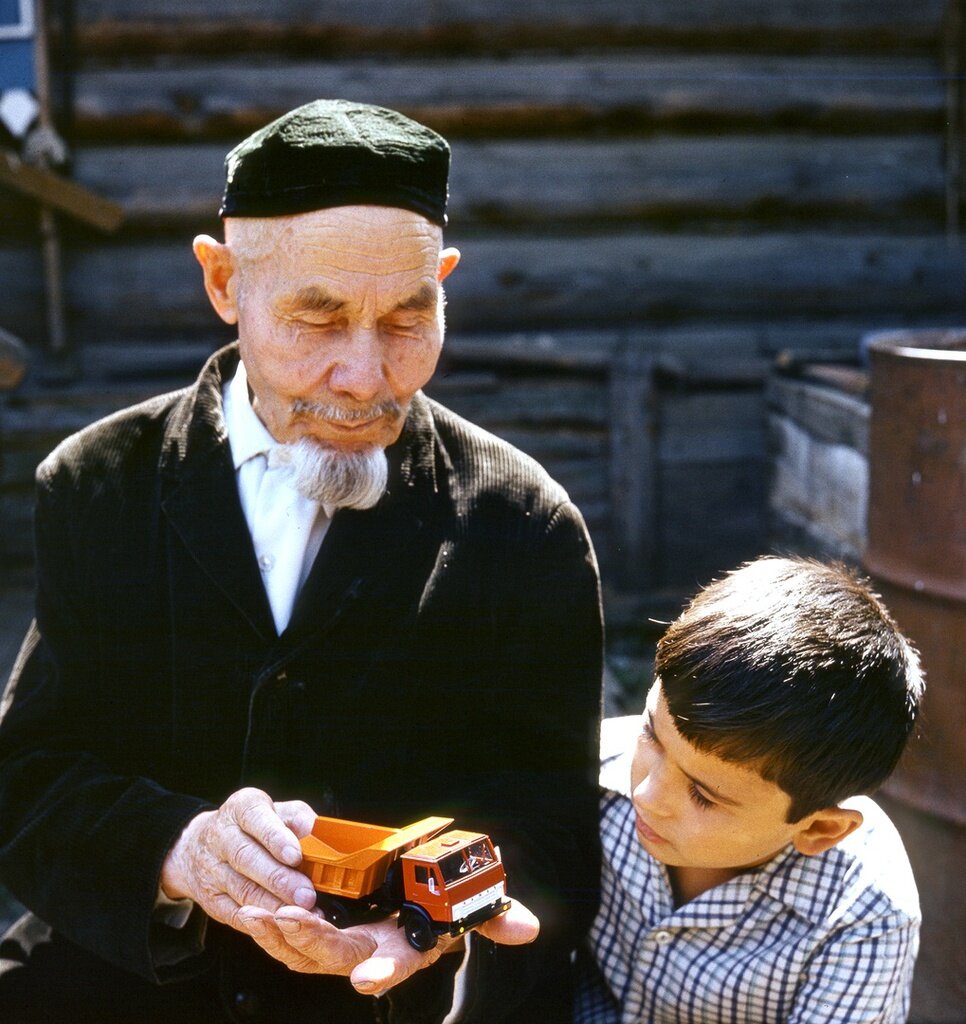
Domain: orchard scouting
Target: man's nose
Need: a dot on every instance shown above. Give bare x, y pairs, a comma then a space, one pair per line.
358, 370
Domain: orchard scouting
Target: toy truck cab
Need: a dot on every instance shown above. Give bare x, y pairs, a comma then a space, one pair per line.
451, 883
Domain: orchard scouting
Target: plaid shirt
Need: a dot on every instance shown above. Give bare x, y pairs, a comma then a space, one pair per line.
807, 940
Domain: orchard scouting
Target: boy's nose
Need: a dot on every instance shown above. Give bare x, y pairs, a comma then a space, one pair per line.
650, 796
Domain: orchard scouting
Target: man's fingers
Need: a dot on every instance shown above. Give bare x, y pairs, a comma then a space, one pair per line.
258, 845
516, 927
297, 814
255, 875
254, 813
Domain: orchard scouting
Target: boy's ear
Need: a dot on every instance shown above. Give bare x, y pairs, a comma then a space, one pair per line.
823, 829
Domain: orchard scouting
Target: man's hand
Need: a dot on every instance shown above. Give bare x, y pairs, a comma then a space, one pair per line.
245, 853
376, 956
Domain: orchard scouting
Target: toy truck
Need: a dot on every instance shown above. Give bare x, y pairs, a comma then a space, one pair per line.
440, 884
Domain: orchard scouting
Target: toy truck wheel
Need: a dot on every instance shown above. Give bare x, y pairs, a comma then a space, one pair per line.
418, 928
394, 886
334, 910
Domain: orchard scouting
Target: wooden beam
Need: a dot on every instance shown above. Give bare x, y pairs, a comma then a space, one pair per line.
137, 27
51, 189
626, 93
665, 180
633, 457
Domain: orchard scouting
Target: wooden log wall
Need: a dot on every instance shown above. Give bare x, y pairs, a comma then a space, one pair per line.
652, 200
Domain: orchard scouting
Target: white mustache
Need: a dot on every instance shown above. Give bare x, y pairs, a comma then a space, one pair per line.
336, 414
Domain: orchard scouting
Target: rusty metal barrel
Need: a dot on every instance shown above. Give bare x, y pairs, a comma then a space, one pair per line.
916, 554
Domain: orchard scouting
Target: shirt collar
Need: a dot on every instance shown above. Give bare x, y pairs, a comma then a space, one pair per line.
247, 435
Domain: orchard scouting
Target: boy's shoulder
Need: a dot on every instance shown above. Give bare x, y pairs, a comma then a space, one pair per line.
865, 876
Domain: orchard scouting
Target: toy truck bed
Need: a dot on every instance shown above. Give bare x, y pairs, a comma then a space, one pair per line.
351, 859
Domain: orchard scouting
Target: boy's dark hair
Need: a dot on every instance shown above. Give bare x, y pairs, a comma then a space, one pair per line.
797, 668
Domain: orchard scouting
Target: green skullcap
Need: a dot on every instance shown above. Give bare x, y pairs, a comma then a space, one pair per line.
337, 153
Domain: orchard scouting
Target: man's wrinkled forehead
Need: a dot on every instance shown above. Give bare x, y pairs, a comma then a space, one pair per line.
373, 239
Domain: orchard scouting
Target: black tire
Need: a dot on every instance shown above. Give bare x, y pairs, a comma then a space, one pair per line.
335, 911
394, 885
419, 929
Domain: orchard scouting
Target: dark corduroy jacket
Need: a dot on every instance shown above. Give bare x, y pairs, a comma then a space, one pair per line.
444, 657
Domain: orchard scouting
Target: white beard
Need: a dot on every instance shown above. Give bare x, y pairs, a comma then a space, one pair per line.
336, 479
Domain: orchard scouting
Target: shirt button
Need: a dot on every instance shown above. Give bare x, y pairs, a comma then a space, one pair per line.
662, 938
266, 562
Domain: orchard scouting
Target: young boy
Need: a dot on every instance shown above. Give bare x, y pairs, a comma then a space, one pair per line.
744, 881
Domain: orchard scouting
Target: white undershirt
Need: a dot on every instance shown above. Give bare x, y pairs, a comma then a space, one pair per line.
287, 528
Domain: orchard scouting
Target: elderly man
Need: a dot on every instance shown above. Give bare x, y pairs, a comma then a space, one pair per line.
299, 587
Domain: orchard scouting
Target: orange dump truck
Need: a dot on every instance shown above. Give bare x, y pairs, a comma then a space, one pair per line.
440, 886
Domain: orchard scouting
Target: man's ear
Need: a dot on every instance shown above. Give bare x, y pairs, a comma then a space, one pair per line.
448, 259
823, 829
219, 269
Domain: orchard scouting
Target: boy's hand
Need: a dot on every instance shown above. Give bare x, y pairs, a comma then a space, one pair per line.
376, 956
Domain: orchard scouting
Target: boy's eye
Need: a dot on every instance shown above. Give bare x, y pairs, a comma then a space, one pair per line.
699, 798
648, 730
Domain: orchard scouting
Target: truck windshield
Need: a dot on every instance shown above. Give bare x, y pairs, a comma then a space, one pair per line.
464, 862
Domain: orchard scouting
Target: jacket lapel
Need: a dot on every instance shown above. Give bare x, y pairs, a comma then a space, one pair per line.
200, 496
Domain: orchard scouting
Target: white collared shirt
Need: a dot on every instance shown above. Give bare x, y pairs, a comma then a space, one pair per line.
286, 552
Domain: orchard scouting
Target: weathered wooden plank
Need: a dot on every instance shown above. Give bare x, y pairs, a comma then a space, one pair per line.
711, 427
50, 189
21, 285
587, 351
468, 26
828, 415
563, 281
534, 95
633, 464
817, 490
879, 179
547, 401
711, 519
418, 13
510, 283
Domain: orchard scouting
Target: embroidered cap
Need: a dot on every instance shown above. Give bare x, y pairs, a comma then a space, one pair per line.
337, 153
